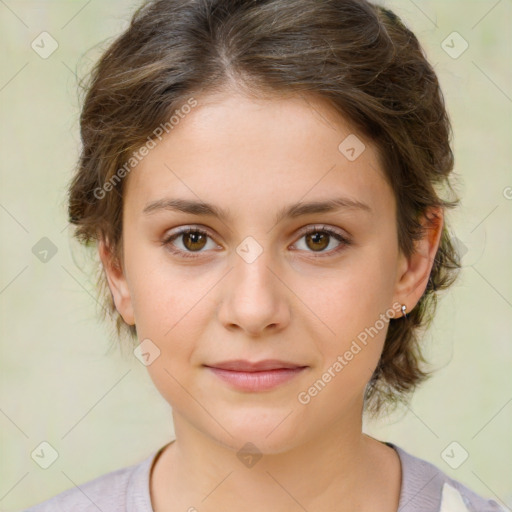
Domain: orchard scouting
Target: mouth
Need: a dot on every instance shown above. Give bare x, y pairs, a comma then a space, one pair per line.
256, 376
242, 365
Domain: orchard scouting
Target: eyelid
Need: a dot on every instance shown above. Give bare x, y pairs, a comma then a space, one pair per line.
324, 227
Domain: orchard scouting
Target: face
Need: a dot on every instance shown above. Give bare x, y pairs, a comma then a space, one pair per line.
315, 288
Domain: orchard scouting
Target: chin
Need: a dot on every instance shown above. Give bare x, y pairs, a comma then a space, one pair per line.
253, 434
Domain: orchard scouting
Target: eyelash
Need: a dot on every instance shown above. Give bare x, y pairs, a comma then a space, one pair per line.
315, 229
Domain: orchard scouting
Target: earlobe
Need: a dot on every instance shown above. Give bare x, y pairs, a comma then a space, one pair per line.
117, 283
414, 272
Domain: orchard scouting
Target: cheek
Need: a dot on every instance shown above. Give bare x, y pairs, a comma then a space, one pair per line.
169, 305
348, 357
162, 294
351, 299
174, 327
170, 312
355, 309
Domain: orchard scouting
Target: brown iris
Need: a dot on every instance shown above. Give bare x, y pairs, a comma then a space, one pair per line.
318, 238
196, 240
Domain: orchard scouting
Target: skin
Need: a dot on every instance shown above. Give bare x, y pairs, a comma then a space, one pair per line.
254, 157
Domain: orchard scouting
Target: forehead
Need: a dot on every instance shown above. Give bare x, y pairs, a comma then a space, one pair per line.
244, 154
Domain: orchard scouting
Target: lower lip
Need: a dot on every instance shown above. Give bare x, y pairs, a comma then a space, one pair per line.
257, 381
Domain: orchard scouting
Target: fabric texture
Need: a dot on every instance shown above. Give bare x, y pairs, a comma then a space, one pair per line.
425, 488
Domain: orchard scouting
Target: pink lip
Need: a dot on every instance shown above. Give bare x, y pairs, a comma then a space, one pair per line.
241, 365
261, 376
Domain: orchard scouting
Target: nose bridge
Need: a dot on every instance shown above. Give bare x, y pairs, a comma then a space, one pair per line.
253, 296
252, 264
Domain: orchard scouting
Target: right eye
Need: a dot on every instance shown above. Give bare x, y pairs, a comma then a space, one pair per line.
192, 239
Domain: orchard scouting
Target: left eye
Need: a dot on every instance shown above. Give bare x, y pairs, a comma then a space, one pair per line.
319, 237
195, 239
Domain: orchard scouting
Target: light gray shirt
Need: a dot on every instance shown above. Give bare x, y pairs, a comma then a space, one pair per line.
425, 488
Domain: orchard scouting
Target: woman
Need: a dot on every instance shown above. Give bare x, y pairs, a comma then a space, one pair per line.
264, 180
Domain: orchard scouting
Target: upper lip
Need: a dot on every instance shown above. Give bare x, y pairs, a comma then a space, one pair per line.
241, 365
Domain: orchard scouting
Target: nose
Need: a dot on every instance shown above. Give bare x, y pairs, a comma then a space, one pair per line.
254, 297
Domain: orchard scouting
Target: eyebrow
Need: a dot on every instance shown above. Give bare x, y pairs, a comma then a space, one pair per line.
290, 211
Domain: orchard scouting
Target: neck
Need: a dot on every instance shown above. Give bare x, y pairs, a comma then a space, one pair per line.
333, 468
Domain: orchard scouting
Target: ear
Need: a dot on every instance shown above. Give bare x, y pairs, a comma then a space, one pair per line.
414, 272
116, 282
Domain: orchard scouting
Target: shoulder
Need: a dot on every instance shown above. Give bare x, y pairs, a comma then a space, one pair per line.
426, 488
125, 489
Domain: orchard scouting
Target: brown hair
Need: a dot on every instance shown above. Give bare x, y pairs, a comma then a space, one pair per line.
356, 55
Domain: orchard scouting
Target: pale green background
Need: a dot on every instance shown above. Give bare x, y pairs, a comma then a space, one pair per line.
100, 411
